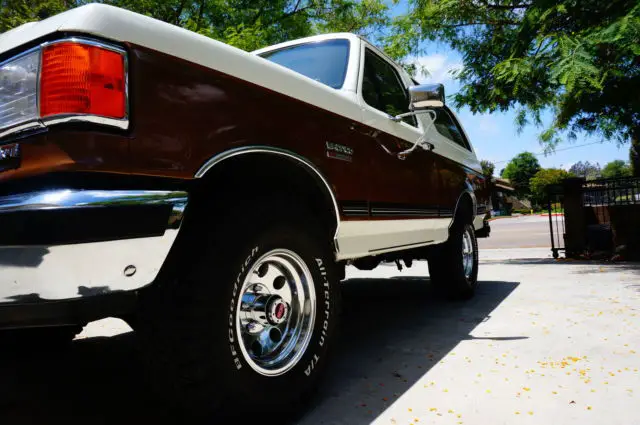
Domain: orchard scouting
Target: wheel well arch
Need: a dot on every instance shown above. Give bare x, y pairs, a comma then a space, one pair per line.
465, 208
261, 169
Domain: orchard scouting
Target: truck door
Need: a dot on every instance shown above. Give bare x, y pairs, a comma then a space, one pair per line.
405, 196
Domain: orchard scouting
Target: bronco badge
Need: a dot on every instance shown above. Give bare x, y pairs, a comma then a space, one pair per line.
9, 156
336, 151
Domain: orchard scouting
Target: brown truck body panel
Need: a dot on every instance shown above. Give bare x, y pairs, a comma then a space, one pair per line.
183, 114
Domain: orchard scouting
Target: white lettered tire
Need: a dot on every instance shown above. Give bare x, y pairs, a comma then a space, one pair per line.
251, 326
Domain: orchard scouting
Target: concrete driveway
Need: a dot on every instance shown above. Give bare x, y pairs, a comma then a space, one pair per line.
544, 341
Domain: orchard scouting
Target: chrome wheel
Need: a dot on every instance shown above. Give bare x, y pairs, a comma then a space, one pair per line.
276, 312
467, 253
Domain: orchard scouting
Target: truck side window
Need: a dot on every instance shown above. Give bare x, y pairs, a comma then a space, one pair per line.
382, 87
446, 125
324, 61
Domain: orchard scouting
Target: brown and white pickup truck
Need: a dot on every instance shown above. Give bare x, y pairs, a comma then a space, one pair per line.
213, 198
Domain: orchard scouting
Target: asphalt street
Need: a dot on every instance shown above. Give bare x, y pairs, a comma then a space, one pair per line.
518, 232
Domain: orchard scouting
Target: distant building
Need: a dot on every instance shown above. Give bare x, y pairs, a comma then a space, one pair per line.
503, 198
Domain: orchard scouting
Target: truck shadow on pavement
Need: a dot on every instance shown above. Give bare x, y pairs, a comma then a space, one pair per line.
393, 332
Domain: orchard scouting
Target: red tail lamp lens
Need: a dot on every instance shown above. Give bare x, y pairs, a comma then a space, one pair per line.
82, 79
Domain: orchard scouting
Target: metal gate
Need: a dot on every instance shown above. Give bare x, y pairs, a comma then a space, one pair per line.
593, 203
555, 206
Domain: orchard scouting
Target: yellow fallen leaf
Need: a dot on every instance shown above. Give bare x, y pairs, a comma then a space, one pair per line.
526, 388
450, 411
517, 413
588, 407
433, 409
445, 390
410, 410
554, 392
530, 413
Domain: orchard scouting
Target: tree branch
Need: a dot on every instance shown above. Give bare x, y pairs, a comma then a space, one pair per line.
505, 6
500, 22
294, 12
179, 12
295, 8
200, 13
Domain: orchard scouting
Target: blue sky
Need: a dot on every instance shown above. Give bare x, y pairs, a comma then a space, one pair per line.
494, 136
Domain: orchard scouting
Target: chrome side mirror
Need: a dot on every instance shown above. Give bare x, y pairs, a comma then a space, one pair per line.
426, 96
423, 98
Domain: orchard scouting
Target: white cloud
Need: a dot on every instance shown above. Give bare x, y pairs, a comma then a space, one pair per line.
439, 67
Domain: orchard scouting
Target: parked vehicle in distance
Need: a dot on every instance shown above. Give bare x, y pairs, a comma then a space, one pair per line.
213, 197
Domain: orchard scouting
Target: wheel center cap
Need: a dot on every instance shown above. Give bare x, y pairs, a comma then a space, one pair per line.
277, 311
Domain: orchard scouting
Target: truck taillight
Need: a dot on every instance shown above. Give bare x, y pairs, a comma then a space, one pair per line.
71, 80
78, 78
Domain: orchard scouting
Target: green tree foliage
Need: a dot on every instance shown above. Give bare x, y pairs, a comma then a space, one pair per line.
520, 170
247, 24
544, 178
488, 168
586, 170
17, 12
617, 168
579, 59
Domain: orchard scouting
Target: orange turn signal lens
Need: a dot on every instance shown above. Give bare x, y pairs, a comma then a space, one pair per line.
82, 79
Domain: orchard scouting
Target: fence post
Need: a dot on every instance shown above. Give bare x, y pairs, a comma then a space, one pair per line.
574, 217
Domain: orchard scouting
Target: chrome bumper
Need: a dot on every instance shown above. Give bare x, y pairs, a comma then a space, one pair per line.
66, 244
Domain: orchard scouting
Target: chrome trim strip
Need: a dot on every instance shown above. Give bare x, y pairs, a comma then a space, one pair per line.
25, 126
94, 119
38, 273
68, 198
404, 246
83, 40
277, 151
40, 122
